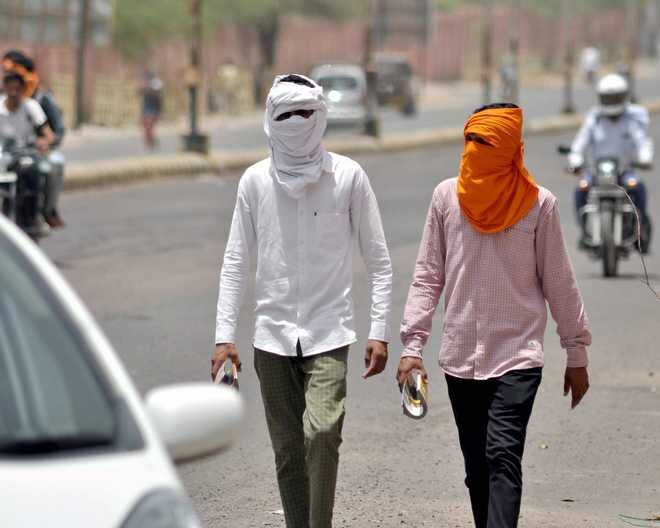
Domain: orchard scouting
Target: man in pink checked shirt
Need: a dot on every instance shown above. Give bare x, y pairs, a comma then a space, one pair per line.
493, 243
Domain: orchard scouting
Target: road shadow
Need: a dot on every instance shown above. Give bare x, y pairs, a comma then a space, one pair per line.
628, 276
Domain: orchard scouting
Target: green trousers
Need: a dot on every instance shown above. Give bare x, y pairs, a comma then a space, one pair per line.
304, 403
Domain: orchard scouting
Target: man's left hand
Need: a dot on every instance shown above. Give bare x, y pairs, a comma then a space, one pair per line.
375, 358
576, 381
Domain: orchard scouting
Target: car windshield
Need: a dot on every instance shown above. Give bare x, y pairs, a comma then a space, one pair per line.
51, 396
338, 82
393, 69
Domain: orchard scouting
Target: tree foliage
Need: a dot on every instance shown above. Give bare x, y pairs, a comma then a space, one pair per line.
139, 25
550, 7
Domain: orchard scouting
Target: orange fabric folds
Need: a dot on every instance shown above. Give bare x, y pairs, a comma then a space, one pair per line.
31, 78
495, 189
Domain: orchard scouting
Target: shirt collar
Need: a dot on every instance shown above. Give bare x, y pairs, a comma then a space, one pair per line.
326, 164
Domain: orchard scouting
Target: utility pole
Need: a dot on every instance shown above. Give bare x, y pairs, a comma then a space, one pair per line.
195, 141
568, 106
514, 50
371, 121
487, 51
632, 45
81, 52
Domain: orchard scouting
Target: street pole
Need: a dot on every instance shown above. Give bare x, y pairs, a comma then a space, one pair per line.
569, 58
194, 141
514, 50
632, 45
487, 51
81, 51
371, 121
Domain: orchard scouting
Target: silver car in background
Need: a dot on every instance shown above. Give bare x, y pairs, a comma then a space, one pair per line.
345, 88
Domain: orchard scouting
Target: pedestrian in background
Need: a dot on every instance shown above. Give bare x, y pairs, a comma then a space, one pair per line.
152, 107
493, 243
299, 212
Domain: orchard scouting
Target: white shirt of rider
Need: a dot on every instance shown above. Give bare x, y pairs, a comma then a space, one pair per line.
625, 138
22, 123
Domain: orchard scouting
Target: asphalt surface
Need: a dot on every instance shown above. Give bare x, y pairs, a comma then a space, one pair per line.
146, 258
248, 133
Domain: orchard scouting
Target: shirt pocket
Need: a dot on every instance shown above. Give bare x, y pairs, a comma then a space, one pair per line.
519, 240
517, 247
332, 230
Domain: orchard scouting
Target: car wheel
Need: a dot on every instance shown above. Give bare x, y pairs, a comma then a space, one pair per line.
409, 108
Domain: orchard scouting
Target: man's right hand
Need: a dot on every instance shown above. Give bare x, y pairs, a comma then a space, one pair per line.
224, 351
43, 145
407, 365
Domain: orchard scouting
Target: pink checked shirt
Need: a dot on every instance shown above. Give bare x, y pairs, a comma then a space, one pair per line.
496, 287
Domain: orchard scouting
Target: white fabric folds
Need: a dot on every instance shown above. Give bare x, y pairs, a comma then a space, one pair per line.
295, 143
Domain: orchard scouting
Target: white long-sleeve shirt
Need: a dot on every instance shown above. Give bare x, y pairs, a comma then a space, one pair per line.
625, 138
304, 252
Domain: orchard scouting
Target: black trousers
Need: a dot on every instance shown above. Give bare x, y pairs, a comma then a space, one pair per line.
492, 416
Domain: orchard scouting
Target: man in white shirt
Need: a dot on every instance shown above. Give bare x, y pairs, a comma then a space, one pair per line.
299, 211
21, 118
24, 123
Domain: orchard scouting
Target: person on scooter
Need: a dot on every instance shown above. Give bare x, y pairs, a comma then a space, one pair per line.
23, 121
15, 60
22, 117
616, 129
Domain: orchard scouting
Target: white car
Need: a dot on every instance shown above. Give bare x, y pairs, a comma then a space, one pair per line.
78, 448
345, 89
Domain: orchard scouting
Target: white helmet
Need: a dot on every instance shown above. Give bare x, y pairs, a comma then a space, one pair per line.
613, 94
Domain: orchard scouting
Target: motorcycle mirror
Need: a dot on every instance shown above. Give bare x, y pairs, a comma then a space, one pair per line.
642, 166
563, 150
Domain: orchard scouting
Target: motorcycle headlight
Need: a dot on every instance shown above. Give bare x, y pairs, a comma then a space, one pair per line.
607, 167
44, 166
163, 508
25, 162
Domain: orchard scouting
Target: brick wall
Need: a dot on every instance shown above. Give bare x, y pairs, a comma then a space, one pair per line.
452, 53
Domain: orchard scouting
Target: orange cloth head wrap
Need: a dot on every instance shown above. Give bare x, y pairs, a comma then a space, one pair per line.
31, 78
495, 190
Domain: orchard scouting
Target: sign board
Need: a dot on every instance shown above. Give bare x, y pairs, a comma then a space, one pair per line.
408, 19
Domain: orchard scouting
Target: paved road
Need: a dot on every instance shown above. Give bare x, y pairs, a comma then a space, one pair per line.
537, 101
146, 260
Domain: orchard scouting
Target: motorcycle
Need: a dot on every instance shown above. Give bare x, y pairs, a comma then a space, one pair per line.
23, 173
609, 219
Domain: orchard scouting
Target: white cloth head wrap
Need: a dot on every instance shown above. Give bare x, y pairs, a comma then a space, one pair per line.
295, 143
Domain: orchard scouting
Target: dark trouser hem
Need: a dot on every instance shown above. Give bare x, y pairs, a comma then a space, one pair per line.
492, 417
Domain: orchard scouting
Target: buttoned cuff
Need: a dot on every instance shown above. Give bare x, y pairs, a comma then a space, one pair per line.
577, 357
412, 354
379, 331
412, 348
224, 334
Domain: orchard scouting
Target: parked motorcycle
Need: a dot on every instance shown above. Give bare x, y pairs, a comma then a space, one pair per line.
609, 219
23, 172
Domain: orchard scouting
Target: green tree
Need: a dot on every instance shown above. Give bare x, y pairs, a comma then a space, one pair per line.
138, 26
141, 25
264, 16
552, 7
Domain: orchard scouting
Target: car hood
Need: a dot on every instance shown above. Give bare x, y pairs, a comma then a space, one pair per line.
79, 492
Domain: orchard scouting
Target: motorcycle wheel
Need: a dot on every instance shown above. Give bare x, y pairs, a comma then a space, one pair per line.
609, 253
646, 234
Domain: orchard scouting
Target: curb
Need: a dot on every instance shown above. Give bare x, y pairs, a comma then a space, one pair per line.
99, 174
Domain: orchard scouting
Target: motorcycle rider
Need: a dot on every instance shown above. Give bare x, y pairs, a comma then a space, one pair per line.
15, 60
23, 121
616, 129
